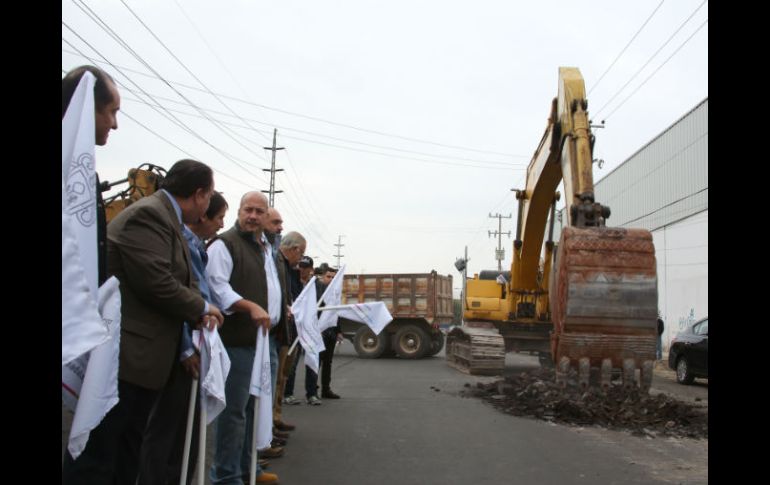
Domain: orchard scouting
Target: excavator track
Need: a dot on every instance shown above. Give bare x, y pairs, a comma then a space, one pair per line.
476, 351
604, 304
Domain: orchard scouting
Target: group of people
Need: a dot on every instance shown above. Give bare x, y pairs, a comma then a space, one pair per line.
177, 274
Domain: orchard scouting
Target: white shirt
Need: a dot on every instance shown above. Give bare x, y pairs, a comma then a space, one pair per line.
220, 268
273, 284
218, 272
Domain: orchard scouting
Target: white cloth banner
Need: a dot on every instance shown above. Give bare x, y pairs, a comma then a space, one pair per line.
90, 383
261, 388
332, 297
82, 327
374, 314
215, 365
305, 311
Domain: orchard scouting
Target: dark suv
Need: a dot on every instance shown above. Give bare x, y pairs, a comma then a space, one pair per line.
689, 352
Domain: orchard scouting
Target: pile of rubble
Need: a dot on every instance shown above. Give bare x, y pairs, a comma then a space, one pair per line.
536, 394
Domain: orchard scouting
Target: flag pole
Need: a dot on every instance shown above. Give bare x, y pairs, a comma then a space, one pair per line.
188, 432
202, 444
335, 307
253, 469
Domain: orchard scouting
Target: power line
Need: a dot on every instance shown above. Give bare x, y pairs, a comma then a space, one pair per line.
358, 149
123, 113
626, 47
258, 155
656, 70
504, 164
225, 96
303, 190
120, 41
213, 52
681, 26
384, 147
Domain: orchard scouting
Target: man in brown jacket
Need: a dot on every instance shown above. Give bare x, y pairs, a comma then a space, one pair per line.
148, 254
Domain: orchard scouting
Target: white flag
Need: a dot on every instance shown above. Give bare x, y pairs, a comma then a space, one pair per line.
374, 314
82, 327
261, 388
97, 371
305, 311
215, 365
332, 297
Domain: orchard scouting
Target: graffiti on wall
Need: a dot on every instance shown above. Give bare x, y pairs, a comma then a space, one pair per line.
688, 320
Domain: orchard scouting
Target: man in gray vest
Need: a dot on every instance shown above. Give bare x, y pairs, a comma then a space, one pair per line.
246, 283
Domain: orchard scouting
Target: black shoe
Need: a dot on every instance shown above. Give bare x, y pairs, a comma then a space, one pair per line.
328, 394
278, 442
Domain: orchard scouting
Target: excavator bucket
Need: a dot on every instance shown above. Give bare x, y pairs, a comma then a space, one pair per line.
604, 304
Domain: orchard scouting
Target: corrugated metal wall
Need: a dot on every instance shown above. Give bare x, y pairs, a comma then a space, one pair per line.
664, 181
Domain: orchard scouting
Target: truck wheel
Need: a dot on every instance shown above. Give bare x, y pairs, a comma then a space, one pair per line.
367, 344
411, 342
436, 344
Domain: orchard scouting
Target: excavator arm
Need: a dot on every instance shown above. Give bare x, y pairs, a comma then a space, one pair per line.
142, 181
598, 287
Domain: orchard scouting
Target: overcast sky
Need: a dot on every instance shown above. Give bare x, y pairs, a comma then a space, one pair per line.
405, 123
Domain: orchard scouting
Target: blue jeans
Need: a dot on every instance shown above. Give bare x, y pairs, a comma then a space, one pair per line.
232, 457
273, 362
659, 348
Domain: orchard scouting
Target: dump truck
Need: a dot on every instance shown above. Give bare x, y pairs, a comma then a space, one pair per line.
420, 303
589, 301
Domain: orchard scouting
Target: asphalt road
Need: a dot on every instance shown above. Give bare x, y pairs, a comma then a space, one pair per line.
405, 422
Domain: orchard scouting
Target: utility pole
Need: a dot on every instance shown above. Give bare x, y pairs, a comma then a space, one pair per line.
339, 246
500, 252
272, 171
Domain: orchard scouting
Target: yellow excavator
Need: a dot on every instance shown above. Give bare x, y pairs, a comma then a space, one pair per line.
593, 302
142, 181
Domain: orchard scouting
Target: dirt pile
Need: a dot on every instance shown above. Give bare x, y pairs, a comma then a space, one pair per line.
536, 394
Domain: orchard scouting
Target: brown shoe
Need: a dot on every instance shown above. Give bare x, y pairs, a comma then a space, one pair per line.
280, 434
262, 464
271, 452
265, 478
284, 426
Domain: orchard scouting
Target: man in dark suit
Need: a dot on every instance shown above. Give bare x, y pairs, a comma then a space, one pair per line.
149, 255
